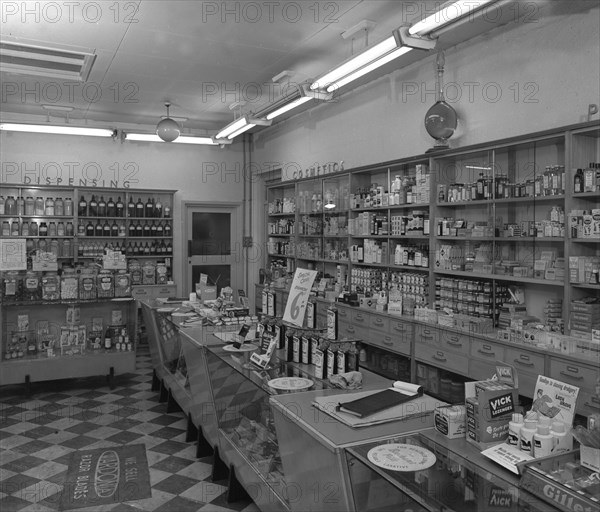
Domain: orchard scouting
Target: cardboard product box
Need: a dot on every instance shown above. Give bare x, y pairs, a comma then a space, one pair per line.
450, 420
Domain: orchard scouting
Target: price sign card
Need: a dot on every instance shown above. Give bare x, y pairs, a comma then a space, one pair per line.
295, 307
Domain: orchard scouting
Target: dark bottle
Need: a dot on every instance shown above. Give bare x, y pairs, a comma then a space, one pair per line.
114, 229
167, 231
153, 229
139, 208
43, 231
106, 229
169, 248
131, 208
131, 229
149, 212
108, 340
82, 209
102, 207
146, 230
139, 230
578, 182
119, 208
147, 249
89, 229
160, 229
162, 248
110, 208
98, 231
480, 183
93, 207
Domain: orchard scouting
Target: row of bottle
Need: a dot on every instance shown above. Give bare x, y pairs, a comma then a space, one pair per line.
587, 180
117, 339
110, 208
538, 435
91, 249
120, 230
16, 228
285, 205
60, 248
412, 255
39, 206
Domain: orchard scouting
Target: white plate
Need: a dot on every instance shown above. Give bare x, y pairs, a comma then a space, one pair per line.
401, 457
290, 383
243, 348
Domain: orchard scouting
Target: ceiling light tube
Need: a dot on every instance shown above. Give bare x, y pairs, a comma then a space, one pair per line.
367, 69
286, 108
448, 13
241, 125
183, 139
58, 130
362, 59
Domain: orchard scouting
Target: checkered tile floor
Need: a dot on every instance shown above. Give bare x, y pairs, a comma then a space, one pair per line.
38, 433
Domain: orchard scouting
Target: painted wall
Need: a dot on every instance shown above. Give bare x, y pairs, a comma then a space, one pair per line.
198, 173
517, 79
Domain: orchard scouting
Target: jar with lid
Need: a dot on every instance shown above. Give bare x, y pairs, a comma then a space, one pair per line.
32, 286
49, 207
15, 228
59, 206
52, 229
68, 204
29, 206
5, 228
20, 205
33, 228
2, 205
39, 206
10, 206
43, 231
12, 286
50, 286
25, 228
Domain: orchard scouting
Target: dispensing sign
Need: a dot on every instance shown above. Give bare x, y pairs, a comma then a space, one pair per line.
295, 307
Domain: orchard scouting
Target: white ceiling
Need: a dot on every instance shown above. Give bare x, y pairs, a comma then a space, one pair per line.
201, 56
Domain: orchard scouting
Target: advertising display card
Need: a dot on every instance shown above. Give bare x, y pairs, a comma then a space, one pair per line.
555, 399
295, 307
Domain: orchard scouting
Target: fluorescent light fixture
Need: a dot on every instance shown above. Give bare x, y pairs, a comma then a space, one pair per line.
362, 59
59, 130
183, 139
367, 69
240, 126
330, 205
448, 13
286, 108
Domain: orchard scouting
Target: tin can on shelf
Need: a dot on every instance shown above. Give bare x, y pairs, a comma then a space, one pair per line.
50, 286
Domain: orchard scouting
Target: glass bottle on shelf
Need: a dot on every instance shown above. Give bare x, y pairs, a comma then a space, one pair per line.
89, 229
167, 210
59, 207
49, 207
122, 230
15, 228
69, 229
43, 231
68, 206
106, 231
146, 229
114, 229
98, 229
131, 229
160, 231
139, 208
25, 229
153, 229
139, 230
2, 205
102, 207
60, 229
33, 228
110, 208
20, 205
578, 182
149, 210
158, 209
82, 207
93, 207
131, 208
52, 229
119, 207
10, 206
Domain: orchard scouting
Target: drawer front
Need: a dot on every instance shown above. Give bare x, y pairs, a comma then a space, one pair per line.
353, 332
401, 328
442, 358
389, 342
426, 334
167, 291
361, 318
576, 374
525, 361
454, 341
140, 293
588, 403
487, 351
379, 322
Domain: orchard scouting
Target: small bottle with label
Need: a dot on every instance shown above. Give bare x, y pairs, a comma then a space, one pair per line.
526, 434
108, 340
542, 442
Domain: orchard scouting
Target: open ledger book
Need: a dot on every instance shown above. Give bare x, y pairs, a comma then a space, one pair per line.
402, 401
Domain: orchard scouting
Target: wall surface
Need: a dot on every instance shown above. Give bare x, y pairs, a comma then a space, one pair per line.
198, 173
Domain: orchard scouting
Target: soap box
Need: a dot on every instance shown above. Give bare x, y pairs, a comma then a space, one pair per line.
450, 420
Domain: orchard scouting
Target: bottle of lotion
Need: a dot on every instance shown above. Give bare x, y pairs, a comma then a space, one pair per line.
514, 429
526, 436
543, 442
563, 440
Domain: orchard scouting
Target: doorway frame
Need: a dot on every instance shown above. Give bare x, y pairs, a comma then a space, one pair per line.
237, 217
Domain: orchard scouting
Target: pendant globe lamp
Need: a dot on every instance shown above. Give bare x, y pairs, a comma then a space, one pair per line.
168, 129
441, 119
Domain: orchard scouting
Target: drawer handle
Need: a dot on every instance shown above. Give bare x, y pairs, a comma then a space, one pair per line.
565, 374
453, 338
400, 328
524, 364
488, 354
438, 358
350, 329
428, 336
389, 342
455, 343
378, 321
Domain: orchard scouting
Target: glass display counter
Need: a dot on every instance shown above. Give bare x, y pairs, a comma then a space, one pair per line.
248, 439
425, 472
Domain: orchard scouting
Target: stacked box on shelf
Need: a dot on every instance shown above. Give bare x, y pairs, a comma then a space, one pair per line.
584, 269
584, 317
